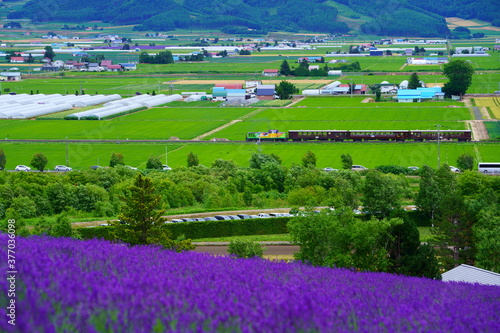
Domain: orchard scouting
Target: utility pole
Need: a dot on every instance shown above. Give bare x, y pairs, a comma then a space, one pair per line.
439, 148
67, 155
166, 155
159, 87
81, 89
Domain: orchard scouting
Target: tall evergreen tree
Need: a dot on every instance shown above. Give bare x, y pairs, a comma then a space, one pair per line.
285, 68
414, 82
459, 74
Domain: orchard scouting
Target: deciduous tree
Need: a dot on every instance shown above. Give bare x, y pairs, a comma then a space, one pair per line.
465, 162
346, 160
459, 74
309, 160
192, 160
154, 162
39, 161
286, 89
3, 159
116, 159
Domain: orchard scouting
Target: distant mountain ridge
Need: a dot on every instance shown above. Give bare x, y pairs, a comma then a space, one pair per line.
387, 17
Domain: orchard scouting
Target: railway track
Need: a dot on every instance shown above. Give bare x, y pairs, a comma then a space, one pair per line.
218, 141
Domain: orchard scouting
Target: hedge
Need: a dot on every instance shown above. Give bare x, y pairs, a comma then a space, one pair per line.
207, 229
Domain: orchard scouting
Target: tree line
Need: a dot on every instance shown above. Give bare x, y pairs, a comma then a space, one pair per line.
462, 209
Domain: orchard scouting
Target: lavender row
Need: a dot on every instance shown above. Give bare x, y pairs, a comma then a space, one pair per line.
69, 285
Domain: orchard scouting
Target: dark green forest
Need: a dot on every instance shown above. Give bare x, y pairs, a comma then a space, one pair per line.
397, 17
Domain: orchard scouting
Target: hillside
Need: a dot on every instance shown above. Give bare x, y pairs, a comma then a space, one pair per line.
423, 18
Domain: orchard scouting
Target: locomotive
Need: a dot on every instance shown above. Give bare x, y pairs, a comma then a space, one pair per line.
361, 135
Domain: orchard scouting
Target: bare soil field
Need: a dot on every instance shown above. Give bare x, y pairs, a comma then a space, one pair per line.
454, 22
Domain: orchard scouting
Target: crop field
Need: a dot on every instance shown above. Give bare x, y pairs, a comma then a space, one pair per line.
371, 154
115, 129
186, 114
91, 86
493, 103
372, 113
386, 63
273, 103
493, 128
356, 100
492, 62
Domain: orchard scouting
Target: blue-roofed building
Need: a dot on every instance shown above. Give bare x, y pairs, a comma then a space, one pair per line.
419, 94
129, 66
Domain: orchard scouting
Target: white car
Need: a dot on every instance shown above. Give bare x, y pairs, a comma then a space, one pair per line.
328, 169
413, 168
358, 168
454, 169
130, 167
167, 168
22, 168
62, 168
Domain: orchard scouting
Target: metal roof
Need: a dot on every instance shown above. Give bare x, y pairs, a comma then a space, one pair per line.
471, 274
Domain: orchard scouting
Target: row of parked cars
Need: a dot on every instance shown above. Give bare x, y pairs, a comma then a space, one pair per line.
57, 168
221, 218
230, 217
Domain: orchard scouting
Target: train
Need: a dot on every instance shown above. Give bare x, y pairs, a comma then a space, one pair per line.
360, 135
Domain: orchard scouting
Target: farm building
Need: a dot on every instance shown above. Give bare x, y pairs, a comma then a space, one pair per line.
360, 89
311, 67
470, 55
230, 85
265, 92
113, 68
252, 84
419, 94
10, 76
471, 274
497, 47
427, 60
333, 73
129, 66
219, 93
270, 72
309, 59
16, 59
388, 88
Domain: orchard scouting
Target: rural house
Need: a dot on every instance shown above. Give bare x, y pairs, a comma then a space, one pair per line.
270, 72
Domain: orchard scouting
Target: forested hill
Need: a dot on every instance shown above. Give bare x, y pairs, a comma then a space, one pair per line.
395, 17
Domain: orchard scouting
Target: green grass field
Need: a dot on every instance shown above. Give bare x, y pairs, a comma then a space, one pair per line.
186, 114
355, 101
83, 155
111, 130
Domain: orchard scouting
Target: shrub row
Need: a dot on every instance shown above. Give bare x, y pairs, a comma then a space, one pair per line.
207, 229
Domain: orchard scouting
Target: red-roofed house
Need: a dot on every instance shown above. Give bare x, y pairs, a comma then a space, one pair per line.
16, 59
113, 68
106, 63
360, 89
230, 85
270, 72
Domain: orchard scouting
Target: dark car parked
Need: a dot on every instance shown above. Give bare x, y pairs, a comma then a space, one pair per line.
222, 217
244, 216
210, 218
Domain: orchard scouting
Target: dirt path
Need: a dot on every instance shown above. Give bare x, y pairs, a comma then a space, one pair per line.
479, 131
199, 137
295, 102
204, 135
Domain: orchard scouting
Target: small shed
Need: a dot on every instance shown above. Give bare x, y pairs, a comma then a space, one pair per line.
266, 91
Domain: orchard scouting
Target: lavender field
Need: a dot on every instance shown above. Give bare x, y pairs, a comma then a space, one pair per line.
67, 285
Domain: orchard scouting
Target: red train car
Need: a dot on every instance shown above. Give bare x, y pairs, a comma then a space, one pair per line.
322, 135
460, 135
379, 135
